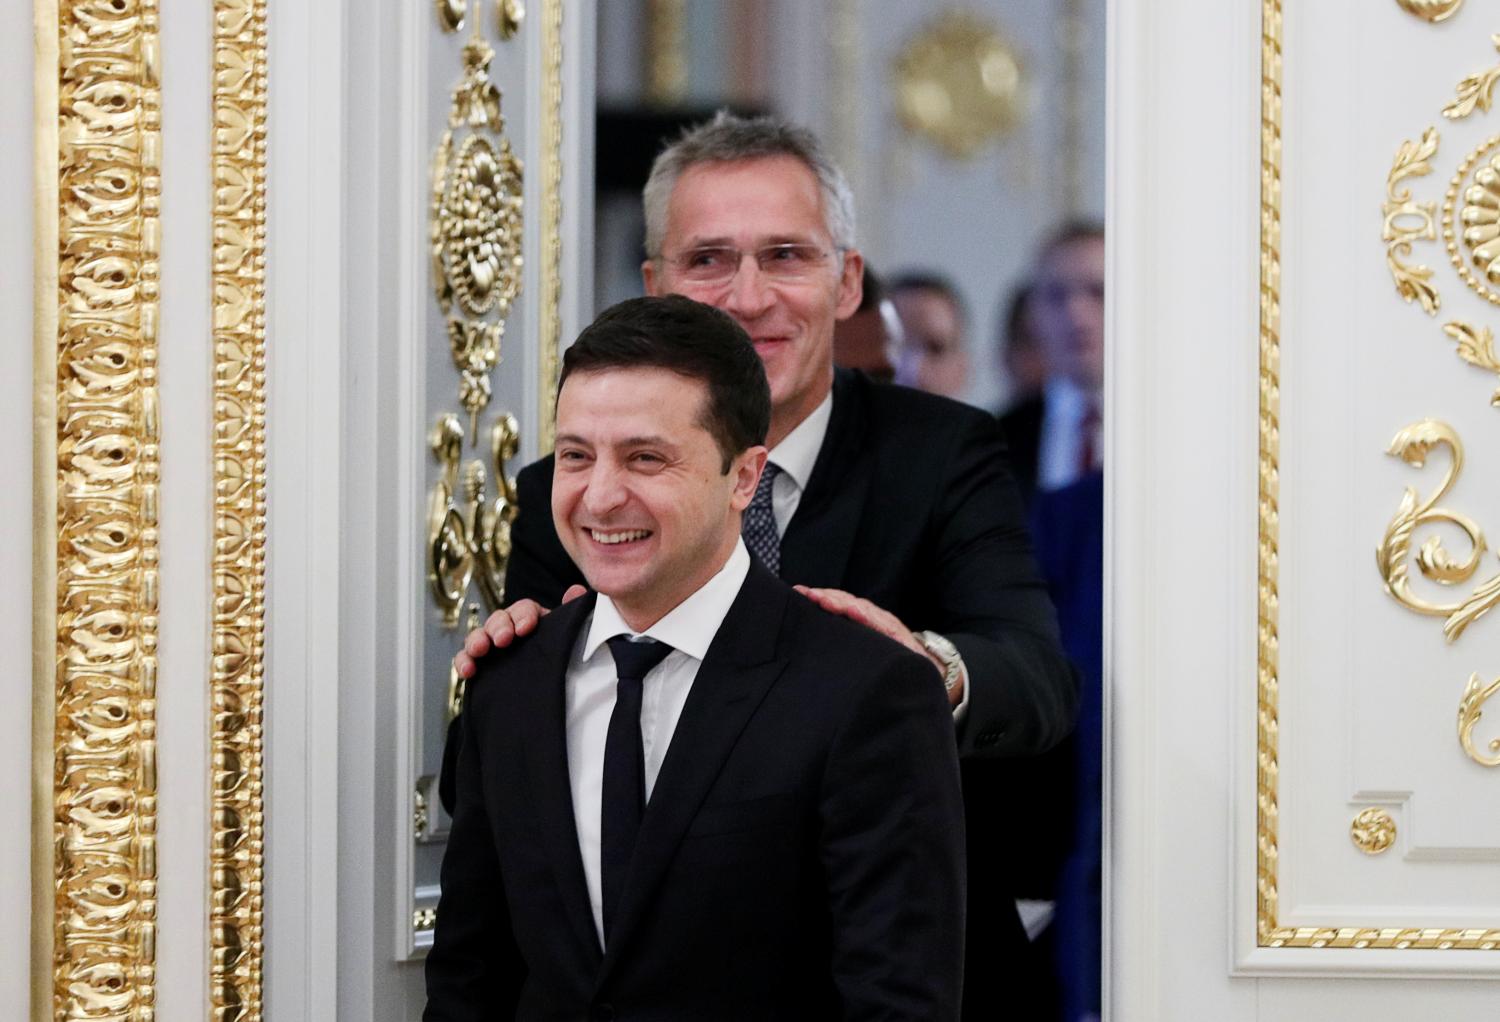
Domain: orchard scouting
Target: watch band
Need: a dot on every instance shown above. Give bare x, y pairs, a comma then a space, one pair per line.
940, 647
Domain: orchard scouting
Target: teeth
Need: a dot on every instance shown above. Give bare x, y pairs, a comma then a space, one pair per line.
618, 537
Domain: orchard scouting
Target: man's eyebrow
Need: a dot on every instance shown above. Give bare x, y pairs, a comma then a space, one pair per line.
645, 441
571, 438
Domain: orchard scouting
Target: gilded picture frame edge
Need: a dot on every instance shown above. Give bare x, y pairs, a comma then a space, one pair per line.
44, 502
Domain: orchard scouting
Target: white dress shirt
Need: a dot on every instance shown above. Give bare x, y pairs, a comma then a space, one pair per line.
1064, 425
795, 456
589, 699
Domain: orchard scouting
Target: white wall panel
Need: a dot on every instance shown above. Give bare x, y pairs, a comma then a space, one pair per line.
1368, 691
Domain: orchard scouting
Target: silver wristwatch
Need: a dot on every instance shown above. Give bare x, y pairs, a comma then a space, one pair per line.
945, 651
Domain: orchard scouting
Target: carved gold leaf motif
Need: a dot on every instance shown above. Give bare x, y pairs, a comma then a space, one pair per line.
509, 14
475, 229
237, 821
450, 13
1412, 445
465, 535
1407, 221
1475, 91
1431, 10
1470, 709
492, 537
103, 777
1476, 346
1373, 831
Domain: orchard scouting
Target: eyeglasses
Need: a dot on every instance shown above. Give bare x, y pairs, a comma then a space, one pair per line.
718, 264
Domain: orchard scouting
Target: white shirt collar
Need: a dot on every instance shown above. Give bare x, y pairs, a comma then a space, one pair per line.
691, 625
1067, 400
798, 451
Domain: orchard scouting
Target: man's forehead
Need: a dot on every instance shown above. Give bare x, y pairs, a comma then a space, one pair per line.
746, 202
626, 400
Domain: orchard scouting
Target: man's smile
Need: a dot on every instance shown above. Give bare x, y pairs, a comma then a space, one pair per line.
617, 536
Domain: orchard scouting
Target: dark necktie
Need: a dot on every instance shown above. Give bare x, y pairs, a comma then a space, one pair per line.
759, 525
624, 797
1088, 444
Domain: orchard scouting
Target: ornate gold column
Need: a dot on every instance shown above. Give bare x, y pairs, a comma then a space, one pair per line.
97, 266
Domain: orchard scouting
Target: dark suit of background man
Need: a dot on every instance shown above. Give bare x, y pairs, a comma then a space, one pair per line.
895, 506
762, 821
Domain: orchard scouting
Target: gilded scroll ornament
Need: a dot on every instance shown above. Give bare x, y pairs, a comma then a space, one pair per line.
476, 226
1476, 346
1373, 831
475, 347
1407, 220
509, 14
959, 84
1470, 709
492, 535
450, 562
1412, 445
237, 849
451, 13
1476, 91
468, 535
107, 465
1431, 10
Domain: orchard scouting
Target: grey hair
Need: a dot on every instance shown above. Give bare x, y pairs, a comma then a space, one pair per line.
732, 139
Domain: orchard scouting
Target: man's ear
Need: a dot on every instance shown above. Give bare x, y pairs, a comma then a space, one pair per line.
648, 278
851, 284
746, 469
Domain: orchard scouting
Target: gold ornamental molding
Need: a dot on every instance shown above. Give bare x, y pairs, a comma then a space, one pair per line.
1405, 222
475, 227
468, 535
1431, 10
98, 270
1373, 831
237, 823
1412, 445
1470, 709
549, 348
959, 83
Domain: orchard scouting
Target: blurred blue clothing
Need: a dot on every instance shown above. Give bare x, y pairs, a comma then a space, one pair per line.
1068, 530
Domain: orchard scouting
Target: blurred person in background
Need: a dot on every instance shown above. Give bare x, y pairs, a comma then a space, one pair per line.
934, 354
1066, 310
1025, 363
870, 339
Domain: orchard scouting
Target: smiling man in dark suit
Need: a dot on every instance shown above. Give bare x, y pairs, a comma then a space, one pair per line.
897, 508
693, 794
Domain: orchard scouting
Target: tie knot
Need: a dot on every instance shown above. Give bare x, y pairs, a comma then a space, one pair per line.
634, 659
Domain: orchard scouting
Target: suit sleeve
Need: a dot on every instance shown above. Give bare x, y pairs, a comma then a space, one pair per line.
474, 970
992, 603
892, 846
539, 568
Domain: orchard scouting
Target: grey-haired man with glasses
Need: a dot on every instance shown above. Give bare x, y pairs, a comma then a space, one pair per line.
892, 507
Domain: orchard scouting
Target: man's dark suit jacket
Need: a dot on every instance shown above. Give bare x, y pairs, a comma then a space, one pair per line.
911, 506
801, 856
1022, 425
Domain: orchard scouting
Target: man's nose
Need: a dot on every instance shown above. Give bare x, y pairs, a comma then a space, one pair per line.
605, 490
749, 293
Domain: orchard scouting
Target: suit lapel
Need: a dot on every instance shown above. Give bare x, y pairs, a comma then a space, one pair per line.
737, 672
544, 708
815, 550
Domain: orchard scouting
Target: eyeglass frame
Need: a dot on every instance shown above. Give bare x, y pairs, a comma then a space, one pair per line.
678, 262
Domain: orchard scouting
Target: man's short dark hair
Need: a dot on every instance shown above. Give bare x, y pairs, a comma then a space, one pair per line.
690, 339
